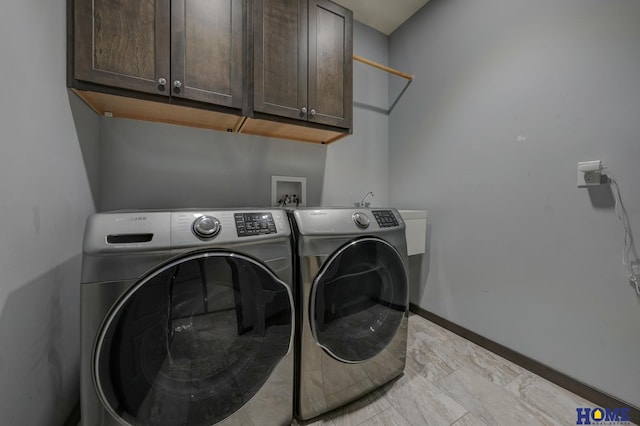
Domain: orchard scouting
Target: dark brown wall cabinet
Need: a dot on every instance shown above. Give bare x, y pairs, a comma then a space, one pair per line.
188, 49
191, 62
303, 61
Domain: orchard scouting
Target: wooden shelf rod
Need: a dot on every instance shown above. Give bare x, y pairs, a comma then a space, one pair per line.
391, 71
382, 67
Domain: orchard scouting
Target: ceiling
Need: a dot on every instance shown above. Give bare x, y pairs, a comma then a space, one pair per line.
383, 15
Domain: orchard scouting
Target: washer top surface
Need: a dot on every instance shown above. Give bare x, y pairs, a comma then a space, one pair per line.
125, 231
347, 221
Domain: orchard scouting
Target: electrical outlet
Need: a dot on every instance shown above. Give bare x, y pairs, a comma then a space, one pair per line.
589, 173
587, 179
592, 178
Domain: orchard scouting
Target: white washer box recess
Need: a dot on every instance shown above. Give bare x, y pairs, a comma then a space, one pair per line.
416, 230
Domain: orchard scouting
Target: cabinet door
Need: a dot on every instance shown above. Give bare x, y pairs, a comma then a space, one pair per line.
330, 64
206, 61
123, 44
280, 57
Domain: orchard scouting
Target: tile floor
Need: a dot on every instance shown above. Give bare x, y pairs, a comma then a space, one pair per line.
451, 381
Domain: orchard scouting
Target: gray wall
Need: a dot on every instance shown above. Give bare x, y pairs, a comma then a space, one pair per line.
508, 97
150, 165
45, 197
359, 163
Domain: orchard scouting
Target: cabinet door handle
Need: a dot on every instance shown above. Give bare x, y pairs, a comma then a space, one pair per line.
162, 81
312, 112
177, 84
303, 110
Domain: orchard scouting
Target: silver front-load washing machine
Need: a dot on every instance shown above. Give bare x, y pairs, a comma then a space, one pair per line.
352, 299
187, 318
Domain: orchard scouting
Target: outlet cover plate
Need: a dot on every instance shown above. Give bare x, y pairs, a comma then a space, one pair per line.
588, 179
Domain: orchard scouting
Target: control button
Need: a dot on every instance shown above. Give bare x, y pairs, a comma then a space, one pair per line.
248, 224
206, 227
385, 218
361, 220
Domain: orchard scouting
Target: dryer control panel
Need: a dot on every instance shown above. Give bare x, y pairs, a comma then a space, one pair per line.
254, 224
385, 218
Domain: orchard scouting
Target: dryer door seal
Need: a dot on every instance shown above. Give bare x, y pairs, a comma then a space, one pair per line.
358, 300
193, 341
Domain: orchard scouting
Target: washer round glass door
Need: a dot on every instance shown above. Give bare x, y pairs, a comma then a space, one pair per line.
359, 299
193, 341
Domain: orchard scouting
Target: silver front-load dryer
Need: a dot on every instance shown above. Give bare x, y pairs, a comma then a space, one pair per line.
187, 318
352, 289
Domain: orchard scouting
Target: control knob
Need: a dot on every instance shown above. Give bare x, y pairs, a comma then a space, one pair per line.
361, 220
206, 227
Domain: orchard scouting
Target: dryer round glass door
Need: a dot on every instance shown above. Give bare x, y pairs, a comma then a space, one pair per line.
358, 300
193, 341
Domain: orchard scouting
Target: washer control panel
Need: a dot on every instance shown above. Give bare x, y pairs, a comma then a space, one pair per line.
248, 224
385, 218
